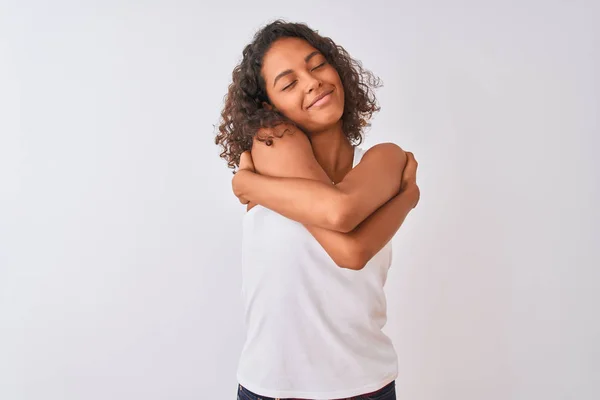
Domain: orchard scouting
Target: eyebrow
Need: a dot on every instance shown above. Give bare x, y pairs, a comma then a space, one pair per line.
311, 55
289, 71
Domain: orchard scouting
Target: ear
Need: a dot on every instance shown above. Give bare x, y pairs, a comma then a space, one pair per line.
268, 106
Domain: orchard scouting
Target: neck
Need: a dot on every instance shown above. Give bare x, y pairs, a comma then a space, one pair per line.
333, 151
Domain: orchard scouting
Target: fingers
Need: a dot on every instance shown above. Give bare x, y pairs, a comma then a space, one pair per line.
410, 170
411, 158
411, 161
246, 161
245, 164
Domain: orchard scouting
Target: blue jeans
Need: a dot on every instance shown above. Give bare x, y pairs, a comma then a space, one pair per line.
387, 392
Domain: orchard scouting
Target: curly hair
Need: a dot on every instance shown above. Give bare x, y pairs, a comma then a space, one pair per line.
243, 113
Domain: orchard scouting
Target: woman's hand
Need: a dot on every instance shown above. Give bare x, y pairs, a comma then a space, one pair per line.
409, 177
246, 165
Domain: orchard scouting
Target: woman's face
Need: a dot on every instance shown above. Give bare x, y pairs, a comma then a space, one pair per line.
302, 85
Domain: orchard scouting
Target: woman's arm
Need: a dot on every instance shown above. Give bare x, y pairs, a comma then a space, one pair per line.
305, 194
354, 249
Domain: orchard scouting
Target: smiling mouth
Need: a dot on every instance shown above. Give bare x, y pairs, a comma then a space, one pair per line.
318, 99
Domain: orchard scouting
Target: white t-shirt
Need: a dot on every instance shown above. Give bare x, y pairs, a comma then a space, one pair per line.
313, 329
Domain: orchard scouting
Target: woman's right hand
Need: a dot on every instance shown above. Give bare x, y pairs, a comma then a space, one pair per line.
246, 164
409, 178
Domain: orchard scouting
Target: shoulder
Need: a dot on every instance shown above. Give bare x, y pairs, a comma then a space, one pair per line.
282, 151
385, 153
284, 138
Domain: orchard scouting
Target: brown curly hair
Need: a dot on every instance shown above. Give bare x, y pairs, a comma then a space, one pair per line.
243, 114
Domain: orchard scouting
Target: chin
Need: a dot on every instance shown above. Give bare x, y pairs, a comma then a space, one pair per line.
325, 123
325, 118
331, 117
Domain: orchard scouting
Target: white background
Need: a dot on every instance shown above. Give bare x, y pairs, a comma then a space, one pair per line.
120, 238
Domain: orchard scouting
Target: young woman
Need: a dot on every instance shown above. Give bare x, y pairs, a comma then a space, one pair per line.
321, 215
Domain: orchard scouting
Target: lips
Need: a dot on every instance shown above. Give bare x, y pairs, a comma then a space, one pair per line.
319, 97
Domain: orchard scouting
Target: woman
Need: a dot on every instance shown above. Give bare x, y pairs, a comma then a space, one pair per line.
321, 214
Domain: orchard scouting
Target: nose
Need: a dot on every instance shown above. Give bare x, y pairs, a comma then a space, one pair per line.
312, 83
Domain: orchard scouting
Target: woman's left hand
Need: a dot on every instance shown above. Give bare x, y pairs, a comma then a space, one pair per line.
409, 177
246, 164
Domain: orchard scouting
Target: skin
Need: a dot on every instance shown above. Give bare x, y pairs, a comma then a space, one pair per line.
351, 250
291, 94
296, 177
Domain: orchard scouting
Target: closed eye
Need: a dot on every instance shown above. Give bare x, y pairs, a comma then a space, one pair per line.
289, 86
294, 82
318, 66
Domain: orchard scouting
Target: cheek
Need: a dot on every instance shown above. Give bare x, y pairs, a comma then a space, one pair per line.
334, 77
289, 104
340, 86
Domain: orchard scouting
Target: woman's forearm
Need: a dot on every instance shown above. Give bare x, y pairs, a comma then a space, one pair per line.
379, 228
307, 201
354, 249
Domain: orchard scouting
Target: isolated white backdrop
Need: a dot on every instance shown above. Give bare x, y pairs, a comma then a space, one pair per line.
120, 238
